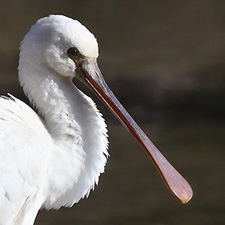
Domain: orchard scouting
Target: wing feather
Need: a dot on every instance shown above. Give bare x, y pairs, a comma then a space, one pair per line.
24, 147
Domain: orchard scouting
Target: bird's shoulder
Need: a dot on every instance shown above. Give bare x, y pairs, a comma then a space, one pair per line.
23, 153
23, 136
15, 114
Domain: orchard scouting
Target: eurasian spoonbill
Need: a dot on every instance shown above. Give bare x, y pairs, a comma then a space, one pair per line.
52, 155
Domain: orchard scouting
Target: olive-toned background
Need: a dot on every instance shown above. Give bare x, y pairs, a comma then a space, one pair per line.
165, 61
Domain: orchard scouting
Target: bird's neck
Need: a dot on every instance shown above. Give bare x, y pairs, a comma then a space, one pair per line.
58, 103
78, 132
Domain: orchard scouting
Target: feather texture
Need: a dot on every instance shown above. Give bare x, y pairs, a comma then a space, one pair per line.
52, 157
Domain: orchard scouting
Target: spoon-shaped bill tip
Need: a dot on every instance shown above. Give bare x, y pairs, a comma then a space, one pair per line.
90, 74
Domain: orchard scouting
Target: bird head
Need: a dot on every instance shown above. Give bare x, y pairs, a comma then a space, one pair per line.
67, 48
59, 43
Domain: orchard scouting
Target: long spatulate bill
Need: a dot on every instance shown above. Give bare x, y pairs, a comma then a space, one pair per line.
89, 73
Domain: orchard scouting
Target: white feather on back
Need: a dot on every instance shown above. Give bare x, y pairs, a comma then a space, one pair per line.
24, 145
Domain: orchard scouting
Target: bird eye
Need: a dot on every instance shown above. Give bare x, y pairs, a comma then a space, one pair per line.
73, 52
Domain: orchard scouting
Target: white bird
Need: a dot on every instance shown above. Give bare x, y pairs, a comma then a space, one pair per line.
52, 155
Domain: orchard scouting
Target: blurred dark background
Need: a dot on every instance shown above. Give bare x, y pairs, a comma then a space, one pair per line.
165, 61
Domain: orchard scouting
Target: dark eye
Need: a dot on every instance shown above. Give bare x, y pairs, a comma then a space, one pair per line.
73, 52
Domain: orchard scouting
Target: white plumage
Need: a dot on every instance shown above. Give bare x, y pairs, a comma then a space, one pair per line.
54, 157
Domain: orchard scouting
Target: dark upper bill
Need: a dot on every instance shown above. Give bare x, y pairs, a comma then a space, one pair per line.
89, 73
